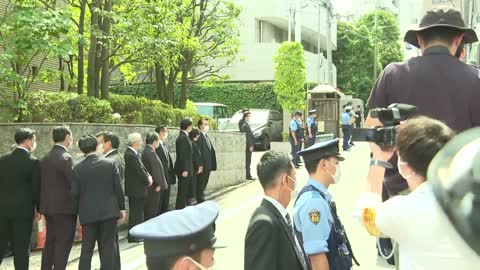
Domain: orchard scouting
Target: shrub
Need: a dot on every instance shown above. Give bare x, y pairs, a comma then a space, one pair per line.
93, 110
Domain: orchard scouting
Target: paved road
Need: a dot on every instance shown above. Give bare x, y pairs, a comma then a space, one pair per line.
238, 205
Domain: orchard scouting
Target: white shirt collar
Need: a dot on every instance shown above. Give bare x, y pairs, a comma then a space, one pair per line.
133, 149
277, 205
63, 146
92, 153
151, 147
109, 152
186, 133
20, 147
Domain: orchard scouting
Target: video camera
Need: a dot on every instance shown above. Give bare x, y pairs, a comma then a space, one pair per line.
390, 117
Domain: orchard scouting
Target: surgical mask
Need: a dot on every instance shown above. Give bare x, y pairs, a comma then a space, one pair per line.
293, 191
200, 267
100, 148
338, 173
165, 136
34, 146
206, 129
399, 166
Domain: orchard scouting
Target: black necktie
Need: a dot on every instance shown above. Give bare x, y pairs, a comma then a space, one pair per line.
209, 144
297, 244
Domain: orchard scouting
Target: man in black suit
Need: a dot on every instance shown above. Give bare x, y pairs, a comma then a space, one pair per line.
19, 197
184, 163
56, 201
155, 168
242, 121
100, 202
208, 156
167, 162
137, 180
250, 144
109, 143
270, 242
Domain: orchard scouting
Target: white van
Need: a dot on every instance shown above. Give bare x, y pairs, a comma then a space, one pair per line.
214, 110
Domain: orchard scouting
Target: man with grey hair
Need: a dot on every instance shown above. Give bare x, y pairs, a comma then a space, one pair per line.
137, 180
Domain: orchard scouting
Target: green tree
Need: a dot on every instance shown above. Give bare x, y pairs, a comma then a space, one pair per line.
290, 76
386, 34
354, 60
31, 34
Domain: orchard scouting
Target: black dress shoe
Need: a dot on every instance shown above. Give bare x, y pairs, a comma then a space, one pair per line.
251, 178
135, 240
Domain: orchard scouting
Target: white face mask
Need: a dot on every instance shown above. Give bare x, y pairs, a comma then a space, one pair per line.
200, 267
206, 129
34, 146
399, 166
165, 136
338, 173
100, 148
293, 191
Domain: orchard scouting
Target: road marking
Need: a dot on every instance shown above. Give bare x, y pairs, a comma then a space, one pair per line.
222, 218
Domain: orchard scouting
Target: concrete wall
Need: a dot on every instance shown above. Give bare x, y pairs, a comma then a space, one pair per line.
230, 148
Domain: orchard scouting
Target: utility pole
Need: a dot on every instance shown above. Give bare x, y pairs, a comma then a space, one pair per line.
289, 20
319, 43
329, 47
375, 60
298, 22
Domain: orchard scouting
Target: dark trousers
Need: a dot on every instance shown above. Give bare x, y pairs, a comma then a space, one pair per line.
164, 200
295, 149
117, 264
104, 233
248, 163
17, 231
60, 236
346, 136
135, 214
309, 142
184, 187
152, 204
202, 182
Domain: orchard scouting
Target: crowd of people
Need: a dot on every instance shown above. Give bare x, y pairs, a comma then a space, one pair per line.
94, 190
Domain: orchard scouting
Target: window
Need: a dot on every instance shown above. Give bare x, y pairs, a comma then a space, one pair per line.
278, 35
275, 116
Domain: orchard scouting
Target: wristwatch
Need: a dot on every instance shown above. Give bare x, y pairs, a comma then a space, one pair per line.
381, 163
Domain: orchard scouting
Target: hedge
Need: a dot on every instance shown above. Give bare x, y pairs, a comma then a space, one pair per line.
235, 95
54, 107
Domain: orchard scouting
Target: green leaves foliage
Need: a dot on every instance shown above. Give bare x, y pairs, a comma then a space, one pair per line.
235, 95
290, 76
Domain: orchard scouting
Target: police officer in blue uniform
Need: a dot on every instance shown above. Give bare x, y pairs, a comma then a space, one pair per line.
312, 128
181, 239
296, 137
315, 215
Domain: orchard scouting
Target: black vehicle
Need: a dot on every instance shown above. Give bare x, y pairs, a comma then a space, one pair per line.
266, 126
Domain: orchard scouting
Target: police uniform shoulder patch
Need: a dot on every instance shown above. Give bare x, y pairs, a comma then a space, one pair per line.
314, 216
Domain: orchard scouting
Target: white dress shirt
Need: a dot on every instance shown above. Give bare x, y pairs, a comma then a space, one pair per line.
133, 149
426, 239
20, 147
63, 146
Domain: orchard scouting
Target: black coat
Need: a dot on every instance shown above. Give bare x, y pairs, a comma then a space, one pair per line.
167, 163
56, 183
209, 157
268, 244
154, 167
197, 158
19, 184
184, 161
97, 189
136, 175
249, 135
120, 162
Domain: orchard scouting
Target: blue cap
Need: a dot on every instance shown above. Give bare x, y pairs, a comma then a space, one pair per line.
312, 111
322, 150
179, 232
298, 112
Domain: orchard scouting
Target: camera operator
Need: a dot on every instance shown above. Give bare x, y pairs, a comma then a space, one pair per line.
437, 83
414, 221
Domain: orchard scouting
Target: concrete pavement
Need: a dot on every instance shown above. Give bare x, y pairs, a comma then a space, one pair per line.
237, 205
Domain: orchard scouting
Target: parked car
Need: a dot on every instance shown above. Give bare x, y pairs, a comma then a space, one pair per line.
266, 126
214, 110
